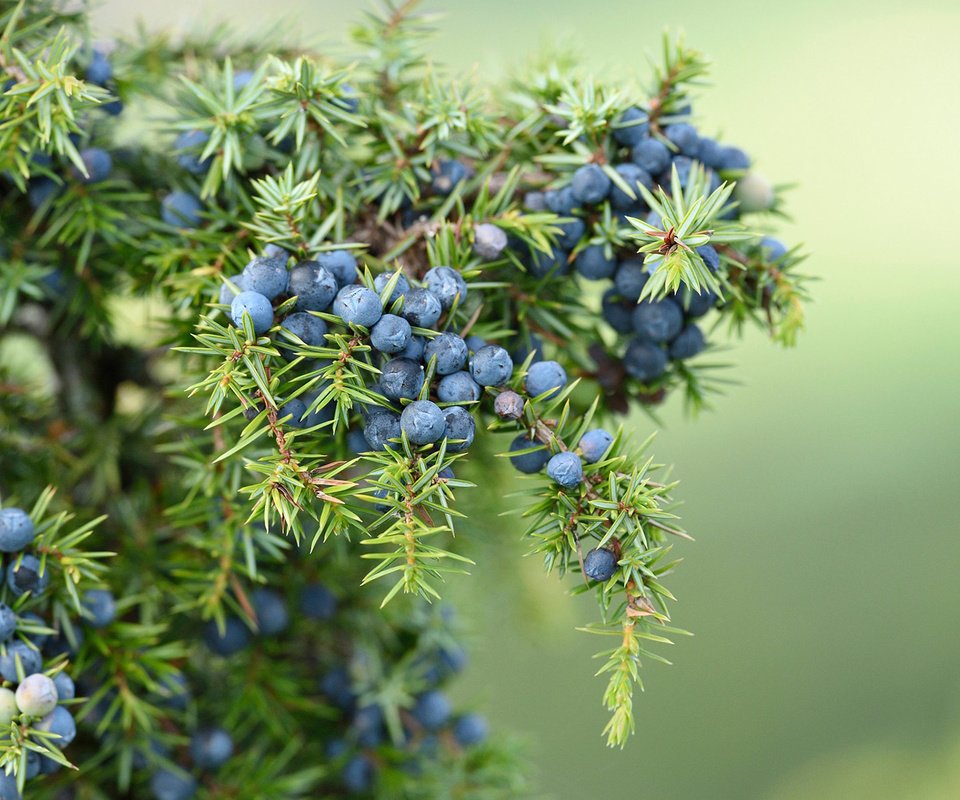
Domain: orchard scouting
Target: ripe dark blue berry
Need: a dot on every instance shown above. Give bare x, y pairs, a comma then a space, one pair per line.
381, 427
561, 201
257, 306
684, 137
421, 308
633, 176
566, 470
523, 345
594, 443
358, 305
710, 256
590, 184
617, 312
338, 688
657, 321
100, 607
181, 210
684, 168
41, 191
447, 284
319, 414
268, 276
358, 774
491, 365
450, 352
18, 651
318, 602
423, 422
532, 462
307, 328
414, 349
631, 127
630, 279
26, 575
341, 263
28, 625
228, 291
234, 637
645, 361
211, 748
535, 201
555, 263
470, 730
189, 145
99, 70
460, 428
61, 722
688, 343
98, 165
16, 530
271, 611
696, 305
594, 264
66, 690
401, 379
391, 334
600, 564
169, 785
773, 249
458, 388
545, 378
293, 412
447, 175
651, 155
733, 159
571, 232
368, 726
175, 691
710, 153
8, 787
432, 710
400, 288
313, 285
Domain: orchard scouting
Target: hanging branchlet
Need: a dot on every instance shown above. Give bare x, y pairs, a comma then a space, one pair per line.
616, 513
413, 493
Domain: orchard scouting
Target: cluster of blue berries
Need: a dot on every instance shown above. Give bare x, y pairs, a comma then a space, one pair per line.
651, 334
429, 378
182, 208
29, 692
97, 162
427, 728
359, 742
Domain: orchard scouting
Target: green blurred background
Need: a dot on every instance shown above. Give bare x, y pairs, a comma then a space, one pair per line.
823, 584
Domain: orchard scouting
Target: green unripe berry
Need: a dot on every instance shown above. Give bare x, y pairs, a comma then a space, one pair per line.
9, 710
754, 193
37, 695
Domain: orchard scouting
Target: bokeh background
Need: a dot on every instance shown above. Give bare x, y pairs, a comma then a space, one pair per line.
823, 587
